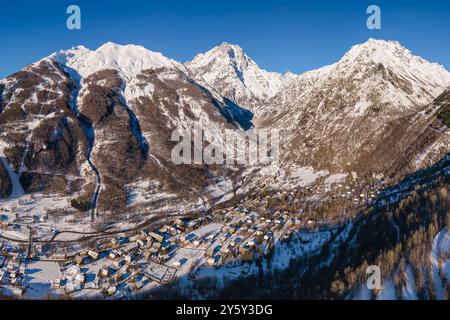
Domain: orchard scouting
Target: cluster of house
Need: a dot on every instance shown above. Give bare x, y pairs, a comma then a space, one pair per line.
12, 270
249, 235
354, 190
119, 265
21, 223
358, 195
124, 264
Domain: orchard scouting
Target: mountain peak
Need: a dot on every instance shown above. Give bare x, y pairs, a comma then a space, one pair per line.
110, 45
225, 53
226, 44
119, 48
380, 51
227, 47
129, 60
394, 56
235, 75
381, 42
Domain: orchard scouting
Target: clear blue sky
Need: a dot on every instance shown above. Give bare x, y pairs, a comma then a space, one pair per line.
280, 35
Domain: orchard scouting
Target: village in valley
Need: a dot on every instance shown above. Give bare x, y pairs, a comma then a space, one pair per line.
45, 257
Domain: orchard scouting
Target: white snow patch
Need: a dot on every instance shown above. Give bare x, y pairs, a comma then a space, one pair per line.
305, 176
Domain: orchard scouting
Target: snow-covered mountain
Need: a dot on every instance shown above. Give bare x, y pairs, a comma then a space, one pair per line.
338, 115
228, 70
125, 101
375, 72
381, 71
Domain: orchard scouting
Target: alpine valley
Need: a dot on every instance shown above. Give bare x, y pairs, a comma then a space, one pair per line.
91, 204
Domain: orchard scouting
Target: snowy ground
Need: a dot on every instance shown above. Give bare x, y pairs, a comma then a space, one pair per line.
440, 247
304, 176
31, 210
335, 178
39, 277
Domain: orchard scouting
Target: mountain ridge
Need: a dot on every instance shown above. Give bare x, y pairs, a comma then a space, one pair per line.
335, 116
